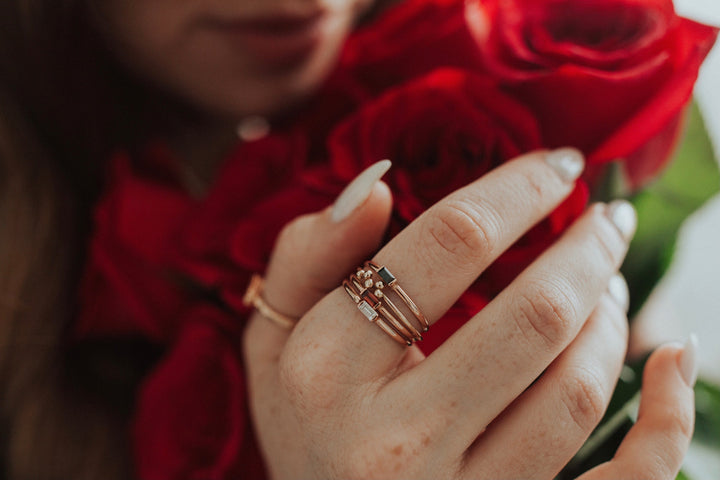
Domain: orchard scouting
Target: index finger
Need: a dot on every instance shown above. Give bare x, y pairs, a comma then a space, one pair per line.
437, 257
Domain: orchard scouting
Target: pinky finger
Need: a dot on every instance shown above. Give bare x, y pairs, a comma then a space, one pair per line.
655, 446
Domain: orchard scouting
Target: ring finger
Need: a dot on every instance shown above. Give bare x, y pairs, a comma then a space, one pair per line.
438, 256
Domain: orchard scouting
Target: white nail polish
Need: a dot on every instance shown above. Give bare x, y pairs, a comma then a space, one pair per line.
358, 191
569, 163
623, 216
689, 360
618, 290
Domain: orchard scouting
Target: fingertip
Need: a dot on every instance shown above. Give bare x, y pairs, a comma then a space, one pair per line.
567, 162
321, 250
656, 445
667, 401
379, 203
382, 191
357, 193
366, 225
378, 200
664, 365
689, 360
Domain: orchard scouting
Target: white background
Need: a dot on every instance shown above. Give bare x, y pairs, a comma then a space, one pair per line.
688, 300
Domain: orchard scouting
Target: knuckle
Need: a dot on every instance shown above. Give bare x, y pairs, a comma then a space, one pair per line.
538, 184
291, 377
677, 424
465, 232
308, 380
545, 311
584, 397
667, 449
298, 381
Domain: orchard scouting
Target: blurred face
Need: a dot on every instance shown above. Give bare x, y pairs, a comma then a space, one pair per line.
231, 57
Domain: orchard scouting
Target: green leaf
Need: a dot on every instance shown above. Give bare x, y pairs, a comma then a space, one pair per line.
682, 476
692, 178
707, 416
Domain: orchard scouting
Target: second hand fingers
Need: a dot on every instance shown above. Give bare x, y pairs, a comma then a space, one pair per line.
497, 354
552, 419
656, 445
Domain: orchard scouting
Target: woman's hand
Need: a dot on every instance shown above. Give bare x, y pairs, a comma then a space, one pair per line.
512, 394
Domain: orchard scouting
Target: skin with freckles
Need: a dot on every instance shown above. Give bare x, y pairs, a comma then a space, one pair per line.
513, 394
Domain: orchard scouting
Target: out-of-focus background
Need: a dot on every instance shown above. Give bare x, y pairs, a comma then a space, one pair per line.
688, 299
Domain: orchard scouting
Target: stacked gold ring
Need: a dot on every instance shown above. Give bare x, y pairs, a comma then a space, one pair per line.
368, 288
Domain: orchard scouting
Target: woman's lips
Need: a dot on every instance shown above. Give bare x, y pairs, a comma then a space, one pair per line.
275, 42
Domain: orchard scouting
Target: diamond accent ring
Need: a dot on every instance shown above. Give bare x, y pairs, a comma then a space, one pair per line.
369, 287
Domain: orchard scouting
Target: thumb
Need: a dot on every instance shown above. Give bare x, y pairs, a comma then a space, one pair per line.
315, 252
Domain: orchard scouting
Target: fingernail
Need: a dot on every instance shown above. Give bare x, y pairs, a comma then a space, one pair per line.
622, 214
618, 290
689, 360
358, 191
567, 162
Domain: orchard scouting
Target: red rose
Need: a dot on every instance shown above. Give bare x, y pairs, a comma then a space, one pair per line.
192, 419
126, 288
409, 40
159, 267
442, 131
606, 76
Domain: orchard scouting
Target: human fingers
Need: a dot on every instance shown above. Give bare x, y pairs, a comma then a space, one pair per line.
551, 420
439, 255
498, 353
314, 252
655, 446
310, 257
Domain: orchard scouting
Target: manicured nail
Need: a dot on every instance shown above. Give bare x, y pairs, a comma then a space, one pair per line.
358, 191
623, 215
689, 360
567, 162
618, 290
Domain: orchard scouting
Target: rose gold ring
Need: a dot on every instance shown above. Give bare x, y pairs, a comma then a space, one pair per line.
389, 280
253, 298
370, 306
366, 288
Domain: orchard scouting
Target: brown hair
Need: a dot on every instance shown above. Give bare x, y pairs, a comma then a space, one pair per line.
61, 111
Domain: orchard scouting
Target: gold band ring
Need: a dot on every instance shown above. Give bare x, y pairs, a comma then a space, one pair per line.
253, 298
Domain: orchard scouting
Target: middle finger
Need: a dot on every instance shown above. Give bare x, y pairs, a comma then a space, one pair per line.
439, 255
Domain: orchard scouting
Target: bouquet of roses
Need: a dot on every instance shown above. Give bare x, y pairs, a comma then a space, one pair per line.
447, 89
